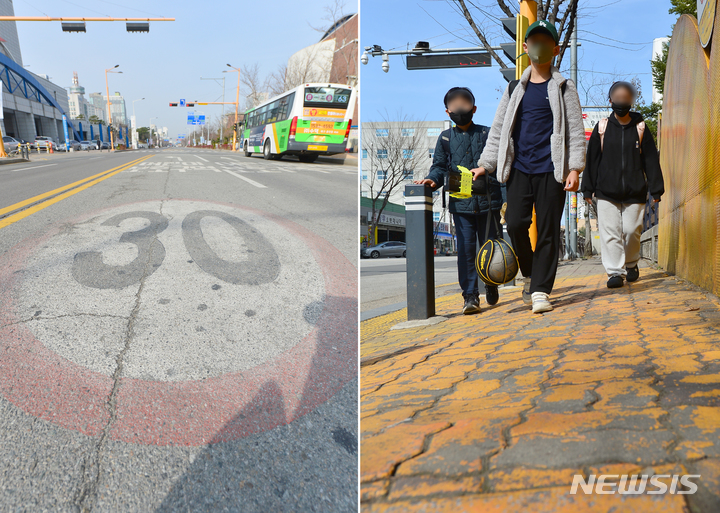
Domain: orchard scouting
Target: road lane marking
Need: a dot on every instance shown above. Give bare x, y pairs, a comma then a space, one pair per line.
59, 194
34, 167
251, 182
198, 156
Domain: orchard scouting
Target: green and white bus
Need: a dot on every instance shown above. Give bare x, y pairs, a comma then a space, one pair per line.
307, 121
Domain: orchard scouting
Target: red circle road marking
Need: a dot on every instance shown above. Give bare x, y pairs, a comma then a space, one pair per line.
227, 407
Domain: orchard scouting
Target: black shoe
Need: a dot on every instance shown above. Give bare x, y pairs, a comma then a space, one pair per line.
633, 273
472, 305
491, 295
615, 282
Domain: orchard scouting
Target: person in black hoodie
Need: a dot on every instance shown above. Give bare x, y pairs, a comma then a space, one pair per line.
462, 145
622, 167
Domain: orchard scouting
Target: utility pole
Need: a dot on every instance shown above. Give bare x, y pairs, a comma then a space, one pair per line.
571, 231
222, 116
237, 103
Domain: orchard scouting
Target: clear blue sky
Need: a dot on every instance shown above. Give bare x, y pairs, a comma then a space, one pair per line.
396, 24
166, 64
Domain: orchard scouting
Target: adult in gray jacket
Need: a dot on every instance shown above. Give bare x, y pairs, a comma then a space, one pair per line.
537, 146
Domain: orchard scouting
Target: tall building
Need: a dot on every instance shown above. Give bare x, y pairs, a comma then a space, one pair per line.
117, 108
78, 105
98, 101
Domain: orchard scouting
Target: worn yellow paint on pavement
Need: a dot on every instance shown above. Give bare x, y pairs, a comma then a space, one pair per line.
498, 411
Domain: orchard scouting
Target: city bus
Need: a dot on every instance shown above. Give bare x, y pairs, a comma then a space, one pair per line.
307, 121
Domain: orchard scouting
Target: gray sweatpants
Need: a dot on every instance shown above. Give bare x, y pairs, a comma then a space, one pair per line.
620, 226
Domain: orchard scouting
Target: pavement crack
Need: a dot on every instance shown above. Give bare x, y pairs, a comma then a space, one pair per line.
91, 471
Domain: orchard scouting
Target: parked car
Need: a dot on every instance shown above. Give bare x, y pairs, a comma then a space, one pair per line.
104, 145
385, 249
88, 145
75, 145
42, 141
10, 143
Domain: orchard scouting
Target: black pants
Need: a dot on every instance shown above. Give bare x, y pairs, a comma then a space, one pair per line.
542, 190
470, 229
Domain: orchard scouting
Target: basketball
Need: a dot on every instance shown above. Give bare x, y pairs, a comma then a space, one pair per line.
496, 262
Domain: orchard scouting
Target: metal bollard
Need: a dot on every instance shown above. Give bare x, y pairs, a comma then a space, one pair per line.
420, 254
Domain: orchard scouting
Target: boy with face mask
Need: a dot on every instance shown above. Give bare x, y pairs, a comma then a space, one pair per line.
537, 146
622, 166
462, 145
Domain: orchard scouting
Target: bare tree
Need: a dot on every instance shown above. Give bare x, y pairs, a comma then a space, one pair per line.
395, 149
561, 13
255, 86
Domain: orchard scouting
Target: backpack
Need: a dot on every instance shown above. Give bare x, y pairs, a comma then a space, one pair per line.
602, 126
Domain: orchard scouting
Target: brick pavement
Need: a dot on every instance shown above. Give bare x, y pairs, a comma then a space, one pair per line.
497, 412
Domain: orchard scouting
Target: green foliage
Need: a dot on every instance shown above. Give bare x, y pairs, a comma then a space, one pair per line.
650, 113
659, 65
681, 7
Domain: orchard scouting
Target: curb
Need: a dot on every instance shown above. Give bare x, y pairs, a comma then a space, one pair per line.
7, 160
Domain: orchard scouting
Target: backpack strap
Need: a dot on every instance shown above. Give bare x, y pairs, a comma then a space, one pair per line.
641, 132
445, 142
602, 126
512, 86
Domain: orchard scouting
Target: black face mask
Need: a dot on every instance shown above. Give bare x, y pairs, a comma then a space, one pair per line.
621, 109
461, 117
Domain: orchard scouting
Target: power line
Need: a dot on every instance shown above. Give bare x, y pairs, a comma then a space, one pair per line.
612, 46
615, 40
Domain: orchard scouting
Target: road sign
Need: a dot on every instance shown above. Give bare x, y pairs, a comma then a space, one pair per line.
182, 103
452, 60
201, 119
191, 118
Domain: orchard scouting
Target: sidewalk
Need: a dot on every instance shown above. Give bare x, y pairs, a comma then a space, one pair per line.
497, 412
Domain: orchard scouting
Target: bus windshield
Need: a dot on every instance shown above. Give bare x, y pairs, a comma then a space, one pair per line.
332, 97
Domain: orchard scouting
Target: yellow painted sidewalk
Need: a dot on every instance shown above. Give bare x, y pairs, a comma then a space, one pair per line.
498, 411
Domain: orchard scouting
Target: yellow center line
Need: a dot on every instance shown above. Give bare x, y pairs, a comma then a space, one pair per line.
88, 182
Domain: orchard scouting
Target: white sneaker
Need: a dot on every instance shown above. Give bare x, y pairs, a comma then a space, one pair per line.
526, 296
540, 302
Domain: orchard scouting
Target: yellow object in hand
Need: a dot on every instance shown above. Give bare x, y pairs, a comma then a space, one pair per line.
460, 184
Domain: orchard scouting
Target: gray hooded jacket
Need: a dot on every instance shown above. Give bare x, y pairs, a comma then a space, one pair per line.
567, 139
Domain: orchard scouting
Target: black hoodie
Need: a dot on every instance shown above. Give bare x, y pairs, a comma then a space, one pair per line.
620, 172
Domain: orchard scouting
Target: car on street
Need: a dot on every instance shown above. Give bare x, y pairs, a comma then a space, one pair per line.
10, 143
88, 145
75, 145
104, 145
385, 249
42, 141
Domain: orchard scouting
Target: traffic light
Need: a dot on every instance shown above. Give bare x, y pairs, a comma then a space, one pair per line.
189, 104
516, 28
173, 104
235, 127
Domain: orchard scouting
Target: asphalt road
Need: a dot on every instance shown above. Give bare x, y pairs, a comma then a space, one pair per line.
384, 286
178, 332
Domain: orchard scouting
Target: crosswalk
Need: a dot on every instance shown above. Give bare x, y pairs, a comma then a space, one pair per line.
181, 164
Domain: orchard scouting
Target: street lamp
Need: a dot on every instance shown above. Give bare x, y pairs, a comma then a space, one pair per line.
107, 92
237, 102
134, 123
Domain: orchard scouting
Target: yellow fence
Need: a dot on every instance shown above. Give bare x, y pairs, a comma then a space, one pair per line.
689, 214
